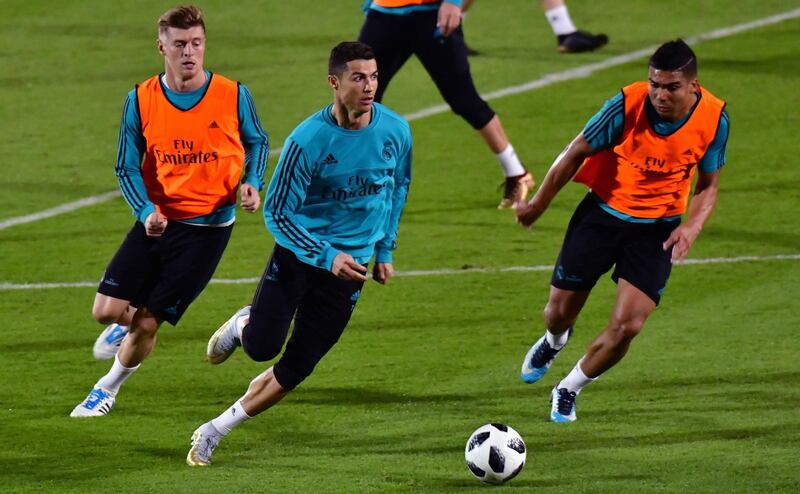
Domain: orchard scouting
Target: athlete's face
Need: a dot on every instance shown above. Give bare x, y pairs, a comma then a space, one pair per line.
671, 93
183, 51
356, 87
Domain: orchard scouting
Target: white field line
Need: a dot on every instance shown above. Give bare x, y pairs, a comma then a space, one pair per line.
566, 75
432, 272
64, 208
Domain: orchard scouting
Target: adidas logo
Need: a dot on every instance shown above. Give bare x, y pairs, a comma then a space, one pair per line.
688, 152
213, 125
329, 160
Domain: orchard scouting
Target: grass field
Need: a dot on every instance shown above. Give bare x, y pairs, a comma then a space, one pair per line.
708, 399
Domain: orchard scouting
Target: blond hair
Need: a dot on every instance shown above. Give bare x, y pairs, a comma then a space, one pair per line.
181, 17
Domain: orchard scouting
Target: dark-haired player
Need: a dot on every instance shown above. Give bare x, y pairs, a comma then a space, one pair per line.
431, 30
189, 142
639, 155
334, 201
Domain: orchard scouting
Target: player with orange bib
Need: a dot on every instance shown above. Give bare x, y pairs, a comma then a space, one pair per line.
638, 156
188, 138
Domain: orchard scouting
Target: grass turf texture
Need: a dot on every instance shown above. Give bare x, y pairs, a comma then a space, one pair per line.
706, 400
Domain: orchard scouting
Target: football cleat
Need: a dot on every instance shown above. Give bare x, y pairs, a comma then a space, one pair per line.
562, 405
99, 402
225, 339
539, 358
109, 341
515, 190
204, 440
581, 41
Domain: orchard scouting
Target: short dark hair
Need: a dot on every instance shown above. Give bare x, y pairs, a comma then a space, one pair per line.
347, 51
675, 56
181, 17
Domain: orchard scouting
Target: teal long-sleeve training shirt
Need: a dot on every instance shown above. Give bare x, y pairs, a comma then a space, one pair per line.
337, 190
132, 146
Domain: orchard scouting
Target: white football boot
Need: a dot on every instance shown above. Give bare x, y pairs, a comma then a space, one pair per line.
98, 403
204, 440
109, 341
225, 340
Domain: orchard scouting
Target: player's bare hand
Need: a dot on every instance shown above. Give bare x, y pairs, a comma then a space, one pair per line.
527, 213
680, 241
346, 268
449, 18
250, 198
382, 272
155, 224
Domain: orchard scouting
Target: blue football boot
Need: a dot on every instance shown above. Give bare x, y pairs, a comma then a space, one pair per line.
539, 358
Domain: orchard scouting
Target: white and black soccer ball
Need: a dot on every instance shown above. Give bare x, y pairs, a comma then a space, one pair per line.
495, 453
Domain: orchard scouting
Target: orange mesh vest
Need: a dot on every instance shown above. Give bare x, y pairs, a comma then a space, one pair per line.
194, 158
648, 175
401, 3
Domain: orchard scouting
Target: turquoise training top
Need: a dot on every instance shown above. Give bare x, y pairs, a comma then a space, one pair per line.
132, 147
406, 9
605, 128
337, 190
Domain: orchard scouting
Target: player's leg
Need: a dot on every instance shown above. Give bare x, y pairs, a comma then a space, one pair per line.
445, 59
568, 37
560, 314
261, 328
116, 314
386, 35
587, 252
642, 270
185, 259
631, 309
263, 392
322, 315
121, 281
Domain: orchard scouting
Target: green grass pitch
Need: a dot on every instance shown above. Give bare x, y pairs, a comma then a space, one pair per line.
707, 400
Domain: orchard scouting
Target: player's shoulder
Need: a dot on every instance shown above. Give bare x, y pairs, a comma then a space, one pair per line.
393, 118
307, 131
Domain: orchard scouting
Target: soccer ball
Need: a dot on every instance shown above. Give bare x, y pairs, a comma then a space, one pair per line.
495, 453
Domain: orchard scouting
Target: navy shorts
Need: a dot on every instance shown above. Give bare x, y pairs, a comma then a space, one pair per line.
596, 240
165, 274
320, 305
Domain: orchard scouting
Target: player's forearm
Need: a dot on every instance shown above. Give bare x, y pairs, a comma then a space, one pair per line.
700, 209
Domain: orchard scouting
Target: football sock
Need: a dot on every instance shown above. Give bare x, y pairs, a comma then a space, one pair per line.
560, 21
557, 341
116, 376
508, 159
230, 418
576, 379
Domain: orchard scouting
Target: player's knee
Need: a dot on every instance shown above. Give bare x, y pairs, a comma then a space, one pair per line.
262, 351
259, 345
471, 108
291, 372
102, 315
105, 314
626, 330
144, 324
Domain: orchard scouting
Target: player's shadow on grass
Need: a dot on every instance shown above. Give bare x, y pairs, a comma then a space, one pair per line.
367, 396
700, 434
687, 383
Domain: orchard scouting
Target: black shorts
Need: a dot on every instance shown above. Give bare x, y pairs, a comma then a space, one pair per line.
165, 274
394, 38
320, 304
595, 241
